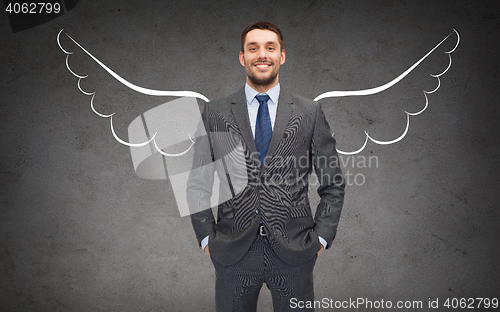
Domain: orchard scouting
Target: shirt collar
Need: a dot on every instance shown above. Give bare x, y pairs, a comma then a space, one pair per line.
273, 93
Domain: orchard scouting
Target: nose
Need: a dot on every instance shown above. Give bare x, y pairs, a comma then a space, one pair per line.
262, 53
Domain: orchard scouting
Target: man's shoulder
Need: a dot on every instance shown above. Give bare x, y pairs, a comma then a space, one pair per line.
302, 100
300, 103
225, 102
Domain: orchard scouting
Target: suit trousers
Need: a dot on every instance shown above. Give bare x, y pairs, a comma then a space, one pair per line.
237, 286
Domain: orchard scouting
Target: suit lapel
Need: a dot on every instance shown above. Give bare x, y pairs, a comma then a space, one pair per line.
240, 113
282, 117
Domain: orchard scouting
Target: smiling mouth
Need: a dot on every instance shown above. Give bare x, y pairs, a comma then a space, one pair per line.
262, 66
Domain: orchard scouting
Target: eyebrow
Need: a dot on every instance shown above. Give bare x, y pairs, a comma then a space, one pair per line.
269, 42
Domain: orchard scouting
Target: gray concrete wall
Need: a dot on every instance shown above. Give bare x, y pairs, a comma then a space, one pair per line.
79, 231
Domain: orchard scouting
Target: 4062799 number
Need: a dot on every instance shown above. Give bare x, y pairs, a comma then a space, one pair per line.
33, 8
471, 303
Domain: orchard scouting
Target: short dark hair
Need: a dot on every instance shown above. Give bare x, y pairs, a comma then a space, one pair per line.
264, 26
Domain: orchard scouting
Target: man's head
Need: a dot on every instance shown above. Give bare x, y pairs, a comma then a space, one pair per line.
263, 26
262, 53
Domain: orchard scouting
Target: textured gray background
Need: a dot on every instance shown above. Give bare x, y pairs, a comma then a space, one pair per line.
79, 231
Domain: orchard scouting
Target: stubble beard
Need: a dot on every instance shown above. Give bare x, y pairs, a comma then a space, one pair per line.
262, 81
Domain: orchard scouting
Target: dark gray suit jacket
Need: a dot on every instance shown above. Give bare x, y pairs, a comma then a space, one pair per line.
276, 193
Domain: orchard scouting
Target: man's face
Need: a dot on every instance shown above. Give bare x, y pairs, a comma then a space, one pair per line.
262, 57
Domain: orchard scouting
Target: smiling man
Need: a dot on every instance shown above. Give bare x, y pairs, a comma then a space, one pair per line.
266, 233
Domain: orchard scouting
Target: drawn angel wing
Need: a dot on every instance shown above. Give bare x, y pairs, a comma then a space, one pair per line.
132, 86
387, 86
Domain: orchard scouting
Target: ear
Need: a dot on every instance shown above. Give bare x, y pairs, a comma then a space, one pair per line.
282, 57
242, 59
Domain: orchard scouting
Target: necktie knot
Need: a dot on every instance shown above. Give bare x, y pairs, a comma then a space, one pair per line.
262, 98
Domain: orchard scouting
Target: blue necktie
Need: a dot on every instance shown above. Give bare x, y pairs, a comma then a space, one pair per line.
263, 129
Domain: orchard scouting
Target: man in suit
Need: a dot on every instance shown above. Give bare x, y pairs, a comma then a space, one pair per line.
265, 231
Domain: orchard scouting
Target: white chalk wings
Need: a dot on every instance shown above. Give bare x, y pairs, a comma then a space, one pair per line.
200, 96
